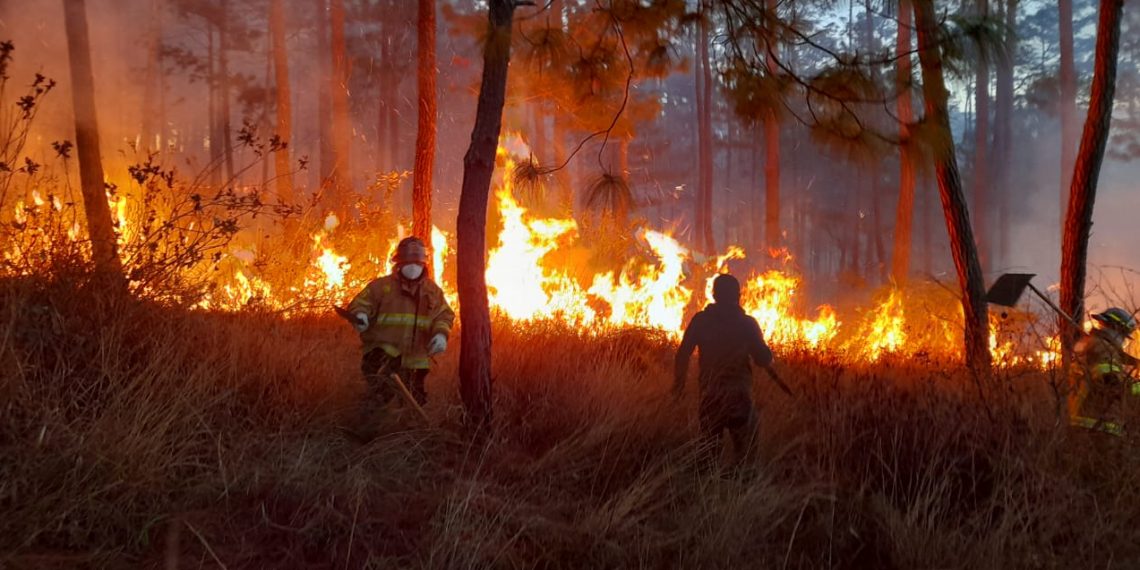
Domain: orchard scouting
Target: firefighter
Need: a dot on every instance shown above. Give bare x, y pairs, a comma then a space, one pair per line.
403, 320
728, 338
1101, 373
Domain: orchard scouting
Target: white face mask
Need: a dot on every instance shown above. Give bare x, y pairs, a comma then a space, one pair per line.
412, 271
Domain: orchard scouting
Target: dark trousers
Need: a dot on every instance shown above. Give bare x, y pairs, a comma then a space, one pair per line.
378, 368
730, 411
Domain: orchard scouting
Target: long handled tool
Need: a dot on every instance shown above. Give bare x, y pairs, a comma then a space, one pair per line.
344, 314
402, 388
1009, 287
409, 398
776, 378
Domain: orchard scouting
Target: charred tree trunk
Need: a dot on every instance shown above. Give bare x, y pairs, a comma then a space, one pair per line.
1078, 222
1003, 134
962, 244
341, 126
478, 166
104, 248
705, 140
904, 213
425, 134
981, 179
282, 162
1068, 78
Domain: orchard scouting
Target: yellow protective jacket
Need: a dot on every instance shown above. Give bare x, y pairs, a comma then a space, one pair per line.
1102, 383
403, 316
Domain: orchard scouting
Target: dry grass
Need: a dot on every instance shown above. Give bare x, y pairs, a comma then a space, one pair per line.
137, 436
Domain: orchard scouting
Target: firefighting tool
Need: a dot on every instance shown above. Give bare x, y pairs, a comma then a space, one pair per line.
403, 389
1009, 287
350, 317
776, 378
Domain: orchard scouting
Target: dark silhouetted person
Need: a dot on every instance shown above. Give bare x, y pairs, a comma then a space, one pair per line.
728, 338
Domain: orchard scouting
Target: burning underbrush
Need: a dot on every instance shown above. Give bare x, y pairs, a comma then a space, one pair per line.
184, 244
135, 434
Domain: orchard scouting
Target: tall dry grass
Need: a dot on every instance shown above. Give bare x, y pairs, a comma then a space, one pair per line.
134, 435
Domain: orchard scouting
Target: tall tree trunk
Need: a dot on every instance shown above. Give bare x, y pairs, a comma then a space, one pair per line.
1068, 78
324, 99
537, 135
856, 229
623, 205
927, 225
698, 98
425, 134
153, 122
962, 244
562, 175
981, 179
904, 213
217, 149
758, 190
104, 249
282, 161
1003, 134
877, 228
341, 126
704, 140
385, 151
478, 166
772, 147
224, 90
771, 180
1086, 173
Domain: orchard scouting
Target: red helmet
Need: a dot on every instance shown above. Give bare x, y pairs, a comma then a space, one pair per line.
410, 250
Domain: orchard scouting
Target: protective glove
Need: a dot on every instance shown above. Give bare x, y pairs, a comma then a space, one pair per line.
361, 323
437, 344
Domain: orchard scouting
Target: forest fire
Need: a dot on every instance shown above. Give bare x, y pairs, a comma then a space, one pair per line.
653, 290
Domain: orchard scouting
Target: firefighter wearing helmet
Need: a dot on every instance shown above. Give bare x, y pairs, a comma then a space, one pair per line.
1102, 380
403, 320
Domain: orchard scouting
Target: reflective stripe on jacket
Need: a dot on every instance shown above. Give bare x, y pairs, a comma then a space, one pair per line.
1101, 382
403, 316
1111, 428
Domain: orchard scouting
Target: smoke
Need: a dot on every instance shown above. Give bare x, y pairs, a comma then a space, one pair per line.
1036, 225
119, 45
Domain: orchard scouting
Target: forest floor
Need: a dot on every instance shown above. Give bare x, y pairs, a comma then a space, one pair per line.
137, 436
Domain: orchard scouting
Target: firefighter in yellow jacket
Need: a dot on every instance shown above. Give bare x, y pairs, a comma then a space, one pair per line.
403, 320
1103, 382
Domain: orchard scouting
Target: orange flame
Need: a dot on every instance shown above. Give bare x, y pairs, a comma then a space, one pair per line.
530, 276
